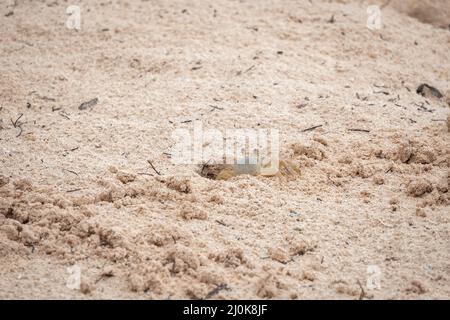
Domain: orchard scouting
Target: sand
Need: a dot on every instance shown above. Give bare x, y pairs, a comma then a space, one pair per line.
367, 218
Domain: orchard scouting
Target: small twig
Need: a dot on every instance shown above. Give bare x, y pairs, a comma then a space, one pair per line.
16, 123
20, 132
222, 223
359, 130
71, 171
249, 69
363, 293
422, 107
245, 71
145, 173
100, 278
63, 114
216, 290
412, 120
215, 108
153, 167
45, 98
312, 128
73, 190
361, 98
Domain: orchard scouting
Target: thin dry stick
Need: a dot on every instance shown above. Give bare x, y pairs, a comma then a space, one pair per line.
359, 130
215, 108
363, 293
216, 290
222, 223
63, 114
312, 128
20, 132
153, 167
71, 171
16, 123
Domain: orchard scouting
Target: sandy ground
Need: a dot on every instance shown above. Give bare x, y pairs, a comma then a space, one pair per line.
76, 188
